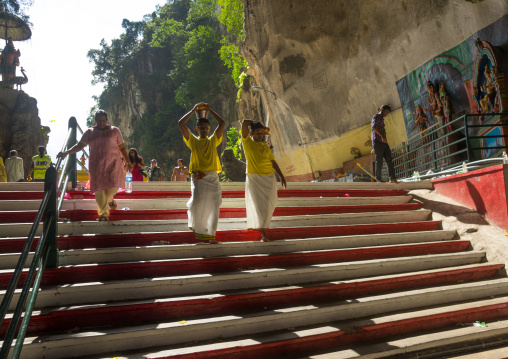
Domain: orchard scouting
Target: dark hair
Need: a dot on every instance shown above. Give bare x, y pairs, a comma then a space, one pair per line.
99, 113
202, 120
385, 107
134, 159
256, 125
180, 159
13, 153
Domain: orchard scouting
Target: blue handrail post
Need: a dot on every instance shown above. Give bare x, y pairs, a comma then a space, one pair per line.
71, 141
50, 182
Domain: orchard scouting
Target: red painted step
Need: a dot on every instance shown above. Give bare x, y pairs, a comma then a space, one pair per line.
170, 310
15, 195
137, 270
168, 214
14, 245
297, 347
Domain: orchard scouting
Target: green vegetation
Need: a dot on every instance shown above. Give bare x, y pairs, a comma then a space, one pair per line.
186, 51
235, 142
16, 7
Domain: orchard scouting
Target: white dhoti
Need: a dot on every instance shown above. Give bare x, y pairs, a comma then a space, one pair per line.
204, 206
260, 200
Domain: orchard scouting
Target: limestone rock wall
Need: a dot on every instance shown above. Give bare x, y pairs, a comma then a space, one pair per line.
127, 112
20, 125
332, 63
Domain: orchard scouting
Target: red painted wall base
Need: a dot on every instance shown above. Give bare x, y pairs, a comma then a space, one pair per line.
482, 190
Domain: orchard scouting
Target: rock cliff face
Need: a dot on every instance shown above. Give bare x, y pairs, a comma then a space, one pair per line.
331, 63
21, 126
126, 113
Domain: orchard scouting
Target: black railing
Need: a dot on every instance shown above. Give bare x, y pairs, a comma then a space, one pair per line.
45, 255
444, 146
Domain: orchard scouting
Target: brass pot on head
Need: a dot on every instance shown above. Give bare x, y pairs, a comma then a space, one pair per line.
201, 112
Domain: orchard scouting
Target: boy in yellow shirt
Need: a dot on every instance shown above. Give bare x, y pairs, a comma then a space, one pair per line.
261, 184
206, 197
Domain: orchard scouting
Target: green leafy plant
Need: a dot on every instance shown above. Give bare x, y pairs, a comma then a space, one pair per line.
231, 16
234, 142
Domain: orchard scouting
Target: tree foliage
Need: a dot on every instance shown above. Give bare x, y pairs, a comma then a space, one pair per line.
16, 7
180, 54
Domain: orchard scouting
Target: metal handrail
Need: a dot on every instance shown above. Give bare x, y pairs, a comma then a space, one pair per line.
46, 251
413, 154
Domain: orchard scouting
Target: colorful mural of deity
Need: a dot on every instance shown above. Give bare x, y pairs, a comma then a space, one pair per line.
465, 79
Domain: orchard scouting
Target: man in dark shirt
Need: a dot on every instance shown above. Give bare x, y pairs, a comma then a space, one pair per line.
155, 172
380, 144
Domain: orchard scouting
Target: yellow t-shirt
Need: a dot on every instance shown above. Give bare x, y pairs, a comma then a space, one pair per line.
259, 157
204, 156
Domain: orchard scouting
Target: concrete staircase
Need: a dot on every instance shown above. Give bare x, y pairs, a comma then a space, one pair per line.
358, 270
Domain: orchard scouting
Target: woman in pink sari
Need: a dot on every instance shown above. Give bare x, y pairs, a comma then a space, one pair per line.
105, 165
137, 163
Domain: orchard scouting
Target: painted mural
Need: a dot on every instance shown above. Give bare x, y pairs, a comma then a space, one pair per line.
464, 79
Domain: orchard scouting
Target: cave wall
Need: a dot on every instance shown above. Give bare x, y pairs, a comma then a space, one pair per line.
20, 125
331, 63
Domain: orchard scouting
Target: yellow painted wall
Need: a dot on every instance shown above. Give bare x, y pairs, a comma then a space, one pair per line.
331, 154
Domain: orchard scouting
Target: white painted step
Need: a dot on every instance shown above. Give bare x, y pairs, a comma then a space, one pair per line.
181, 251
77, 228
202, 283
176, 203
164, 252
412, 343
238, 186
211, 296
173, 333
499, 353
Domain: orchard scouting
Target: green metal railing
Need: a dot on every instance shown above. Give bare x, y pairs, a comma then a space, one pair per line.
45, 254
445, 146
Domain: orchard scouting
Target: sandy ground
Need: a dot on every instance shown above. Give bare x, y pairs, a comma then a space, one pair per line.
470, 225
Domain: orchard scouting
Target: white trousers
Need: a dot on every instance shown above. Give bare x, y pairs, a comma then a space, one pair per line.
204, 205
260, 200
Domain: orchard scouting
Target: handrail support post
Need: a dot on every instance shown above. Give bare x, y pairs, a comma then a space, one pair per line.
50, 183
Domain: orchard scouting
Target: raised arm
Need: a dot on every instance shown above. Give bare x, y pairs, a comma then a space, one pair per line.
245, 127
182, 123
220, 129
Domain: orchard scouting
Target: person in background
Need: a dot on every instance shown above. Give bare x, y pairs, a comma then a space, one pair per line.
14, 167
105, 166
180, 173
3, 173
380, 144
40, 163
206, 192
155, 172
261, 183
137, 165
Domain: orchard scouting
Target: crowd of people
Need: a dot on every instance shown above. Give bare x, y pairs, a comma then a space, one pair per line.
107, 169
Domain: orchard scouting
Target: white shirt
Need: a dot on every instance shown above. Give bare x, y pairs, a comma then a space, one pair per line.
14, 169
